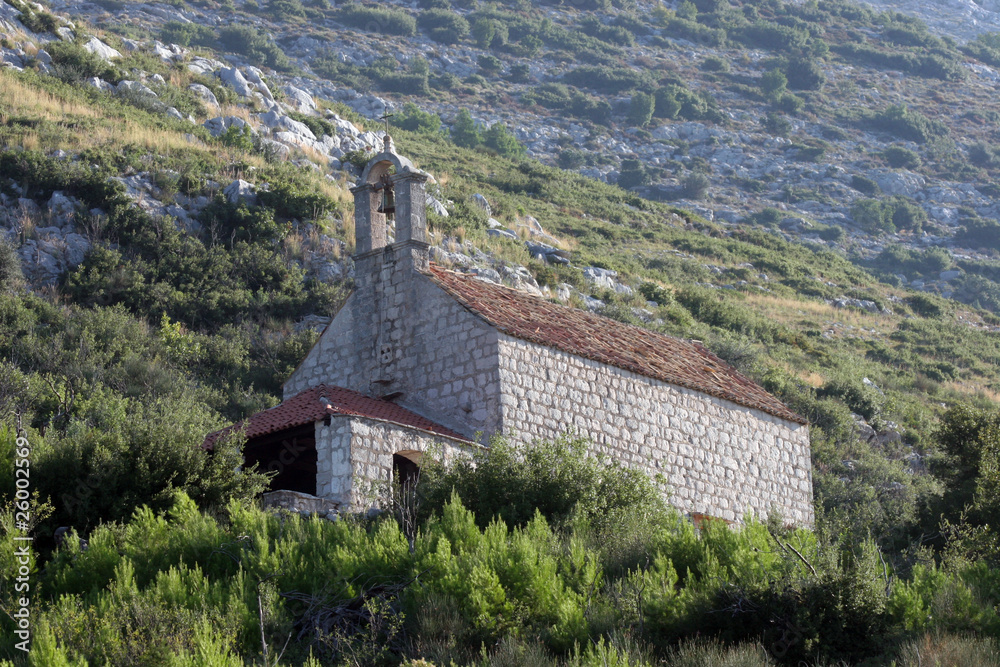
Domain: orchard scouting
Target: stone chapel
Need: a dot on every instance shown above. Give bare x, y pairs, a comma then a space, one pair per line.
421, 358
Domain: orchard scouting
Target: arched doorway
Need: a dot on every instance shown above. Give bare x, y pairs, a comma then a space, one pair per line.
406, 468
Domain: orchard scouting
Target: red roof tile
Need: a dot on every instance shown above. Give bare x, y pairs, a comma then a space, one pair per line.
679, 362
312, 405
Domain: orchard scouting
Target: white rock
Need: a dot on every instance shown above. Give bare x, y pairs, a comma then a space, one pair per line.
61, 208
235, 80
240, 189
480, 201
276, 149
100, 49
299, 99
200, 65
77, 248
220, 124
343, 126
134, 87
436, 206
100, 84
276, 120
256, 77
904, 183
205, 93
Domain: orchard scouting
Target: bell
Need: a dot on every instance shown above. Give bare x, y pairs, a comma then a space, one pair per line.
388, 206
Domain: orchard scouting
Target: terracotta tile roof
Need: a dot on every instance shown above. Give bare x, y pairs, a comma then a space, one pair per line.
312, 405
679, 362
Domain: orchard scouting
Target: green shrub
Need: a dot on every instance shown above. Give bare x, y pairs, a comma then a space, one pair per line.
11, 276
611, 80
73, 63
490, 65
634, 173
413, 119
772, 83
873, 216
498, 138
35, 18
464, 131
384, 20
865, 185
489, 33
187, 34
979, 233
900, 121
641, 108
762, 34
680, 28
556, 479
285, 10
899, 157
804, 74
695, 185
676, 101
443, 25
611, 34
257, 46
714, 64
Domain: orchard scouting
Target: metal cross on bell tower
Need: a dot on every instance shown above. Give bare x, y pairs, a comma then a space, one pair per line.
387, 140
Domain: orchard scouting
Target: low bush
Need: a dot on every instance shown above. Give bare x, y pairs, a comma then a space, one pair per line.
387, 21
73, 63
256, 45
443, 25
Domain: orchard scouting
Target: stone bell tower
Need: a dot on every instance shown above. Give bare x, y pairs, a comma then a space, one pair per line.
391, 248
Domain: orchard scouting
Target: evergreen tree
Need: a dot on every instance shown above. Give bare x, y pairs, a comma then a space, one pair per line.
640, 111
503, 141
464, 131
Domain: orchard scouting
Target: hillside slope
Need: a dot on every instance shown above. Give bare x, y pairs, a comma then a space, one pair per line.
203, 200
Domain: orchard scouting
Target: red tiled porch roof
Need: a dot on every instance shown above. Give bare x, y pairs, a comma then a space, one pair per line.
316, 403
679, 362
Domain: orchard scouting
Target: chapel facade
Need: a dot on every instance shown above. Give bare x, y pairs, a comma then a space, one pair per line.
420, 358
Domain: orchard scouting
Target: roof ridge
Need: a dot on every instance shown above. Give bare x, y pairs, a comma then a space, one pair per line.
305, 406
678, 361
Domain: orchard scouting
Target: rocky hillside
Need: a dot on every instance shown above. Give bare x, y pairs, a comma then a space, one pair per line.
856, 130
962, 20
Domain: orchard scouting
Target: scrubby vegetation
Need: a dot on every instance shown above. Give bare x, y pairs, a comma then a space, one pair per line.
563, 584
170, 329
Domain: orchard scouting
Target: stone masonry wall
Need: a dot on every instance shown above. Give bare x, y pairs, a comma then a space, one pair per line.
719, 458
355, 457
440, 356
332, 359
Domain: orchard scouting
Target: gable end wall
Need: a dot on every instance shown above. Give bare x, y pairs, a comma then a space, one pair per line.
334, 359
444, 358
718, 458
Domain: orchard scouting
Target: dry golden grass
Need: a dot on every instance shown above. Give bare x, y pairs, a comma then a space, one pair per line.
793, 311
349, 231
27, 102
811, 378
20, 99
240, 112
973, 390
